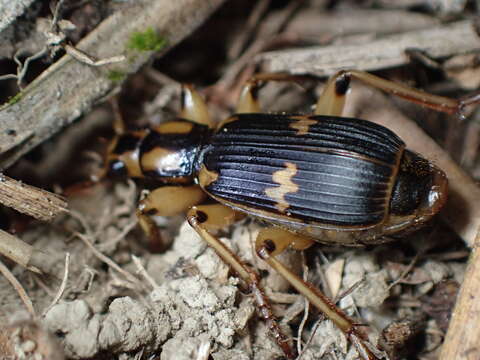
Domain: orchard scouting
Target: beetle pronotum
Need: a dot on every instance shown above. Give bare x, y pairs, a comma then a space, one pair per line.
318, 177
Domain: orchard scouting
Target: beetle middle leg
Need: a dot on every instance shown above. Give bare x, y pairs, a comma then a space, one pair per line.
206, 218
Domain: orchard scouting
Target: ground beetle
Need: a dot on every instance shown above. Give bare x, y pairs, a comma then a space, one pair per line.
320, 177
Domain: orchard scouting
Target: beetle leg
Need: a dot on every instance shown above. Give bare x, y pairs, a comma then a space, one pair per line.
248, 100
332, 100
338, 84
198, 218
193, 107
118, 123
272, 241
166, 201
219, 216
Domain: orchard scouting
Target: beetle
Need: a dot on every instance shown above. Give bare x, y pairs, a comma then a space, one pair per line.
314, 178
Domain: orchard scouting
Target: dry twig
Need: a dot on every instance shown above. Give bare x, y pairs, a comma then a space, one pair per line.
141, 270
19, 288
40, 204
132, 279
306, 311
62, 287
23, 254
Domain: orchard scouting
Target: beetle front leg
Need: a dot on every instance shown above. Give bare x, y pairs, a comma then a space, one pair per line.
271, 242
201, 218
166, 201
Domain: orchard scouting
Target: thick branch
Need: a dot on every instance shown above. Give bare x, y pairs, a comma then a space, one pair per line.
437, 42
69, 88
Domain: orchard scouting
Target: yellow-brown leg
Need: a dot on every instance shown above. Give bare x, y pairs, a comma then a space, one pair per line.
333, 97
332, 100
199, 217
166, 201
193, 107
248, 102
272, 241
118, 123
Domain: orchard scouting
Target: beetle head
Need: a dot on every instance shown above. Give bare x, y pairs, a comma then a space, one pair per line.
122, 155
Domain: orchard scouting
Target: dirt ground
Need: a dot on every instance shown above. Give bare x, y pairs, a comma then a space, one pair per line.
108, 292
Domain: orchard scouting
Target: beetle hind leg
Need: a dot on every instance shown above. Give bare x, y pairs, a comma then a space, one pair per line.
199, 218
271, 242
332, 100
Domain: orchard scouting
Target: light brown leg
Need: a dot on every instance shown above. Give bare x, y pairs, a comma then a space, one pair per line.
119, 129
198, 217
194, 107
333, 97
332, 100
248, 102
118, 123
166, 201
272, 241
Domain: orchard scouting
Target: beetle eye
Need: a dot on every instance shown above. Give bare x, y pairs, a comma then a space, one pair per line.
117, 168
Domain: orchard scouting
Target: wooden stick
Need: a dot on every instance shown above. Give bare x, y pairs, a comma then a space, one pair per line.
24, 254
462, 339
38, 203
30, 200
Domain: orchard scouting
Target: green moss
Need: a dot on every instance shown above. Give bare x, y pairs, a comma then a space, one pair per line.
116, 76
14, 99
147, 40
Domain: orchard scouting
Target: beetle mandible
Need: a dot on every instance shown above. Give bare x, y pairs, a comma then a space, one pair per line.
320, 177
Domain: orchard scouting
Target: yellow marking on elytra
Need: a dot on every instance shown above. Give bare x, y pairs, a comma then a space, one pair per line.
206, 177
284, 179
302, 125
